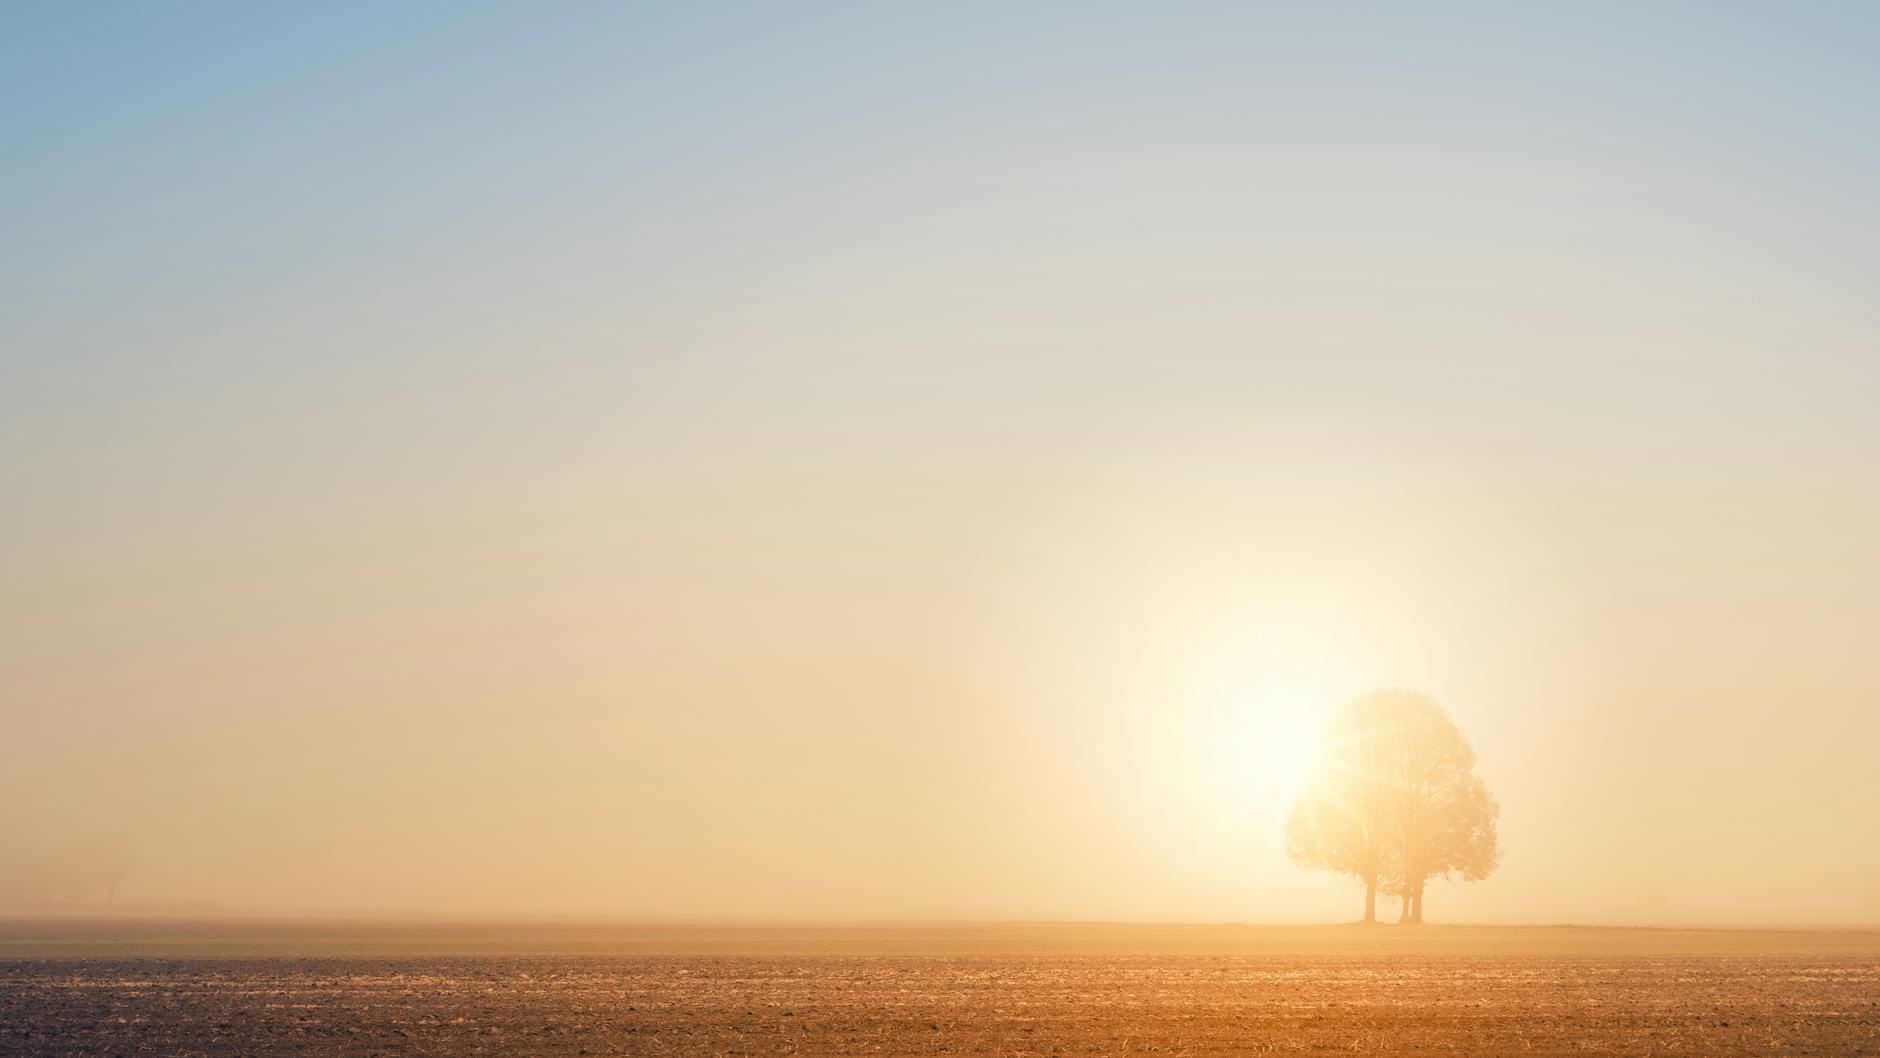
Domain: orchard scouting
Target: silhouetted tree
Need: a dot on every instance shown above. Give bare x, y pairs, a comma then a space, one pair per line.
1395, 769
1341, 821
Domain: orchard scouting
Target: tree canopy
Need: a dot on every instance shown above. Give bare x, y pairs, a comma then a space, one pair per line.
1394, 801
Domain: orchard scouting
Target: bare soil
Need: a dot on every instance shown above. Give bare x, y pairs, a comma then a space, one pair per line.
310, 988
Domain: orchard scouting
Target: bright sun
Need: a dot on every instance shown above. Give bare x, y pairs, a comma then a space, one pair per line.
1261, 743
1282, 747
1253, 701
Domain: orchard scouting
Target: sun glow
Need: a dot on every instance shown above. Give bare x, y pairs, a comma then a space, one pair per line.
1260, 733
1283, 748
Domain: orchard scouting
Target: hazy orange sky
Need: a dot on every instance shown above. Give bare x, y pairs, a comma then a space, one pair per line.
933, 461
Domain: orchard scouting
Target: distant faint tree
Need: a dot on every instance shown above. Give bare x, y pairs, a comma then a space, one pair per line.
1395, 771
1341, 821
108, 863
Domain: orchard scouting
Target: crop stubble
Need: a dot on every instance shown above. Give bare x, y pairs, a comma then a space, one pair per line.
1448, 1000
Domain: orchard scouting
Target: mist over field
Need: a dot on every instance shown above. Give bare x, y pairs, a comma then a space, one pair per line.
932, 462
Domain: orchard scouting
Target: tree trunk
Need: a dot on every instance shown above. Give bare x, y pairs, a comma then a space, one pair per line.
1416, 906
1370, 899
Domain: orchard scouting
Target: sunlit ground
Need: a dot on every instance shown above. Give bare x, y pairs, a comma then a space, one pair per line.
359, 988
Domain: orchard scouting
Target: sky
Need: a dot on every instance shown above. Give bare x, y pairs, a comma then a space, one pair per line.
932, 461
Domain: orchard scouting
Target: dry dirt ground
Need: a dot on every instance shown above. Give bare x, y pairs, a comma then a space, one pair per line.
253, 988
